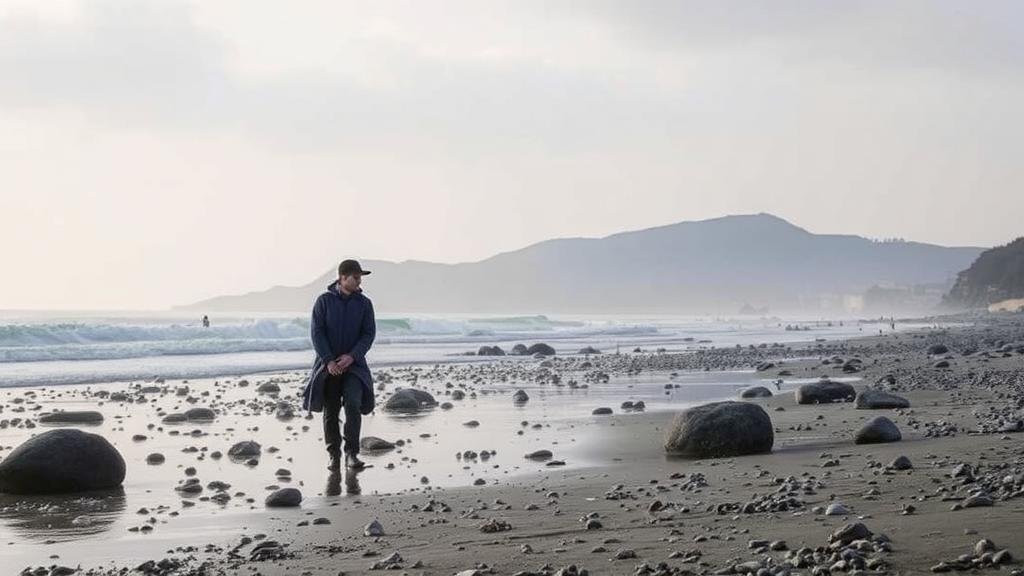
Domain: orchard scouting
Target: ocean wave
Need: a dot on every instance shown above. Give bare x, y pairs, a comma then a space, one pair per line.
108, 340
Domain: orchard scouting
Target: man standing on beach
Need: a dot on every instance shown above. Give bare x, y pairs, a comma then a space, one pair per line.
342, 330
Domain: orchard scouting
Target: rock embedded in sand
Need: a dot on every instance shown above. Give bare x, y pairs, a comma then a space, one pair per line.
520, 397
720, 429
837, 509
901, 463
284, 498
60, 461
603, 411
200, 415
879, 400
850, 532
373, 529
490, 351
540, 348
756, 392
155, 458
72, 417
245, 449
268, 388
409, 401
824, 391
587, 350
876, 431
374, 444
539, 455
936, 349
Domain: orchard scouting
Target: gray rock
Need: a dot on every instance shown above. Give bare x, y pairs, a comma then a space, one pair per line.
824, 391
268, 388
245, 449
877, 399
589, 350
876, 431
284, 498
520, 350
520, 397
540, 455
60, 461
837, 509
174, 418
603, 411
72, 417
200, 415
540, 348
978, 500
373, 529
901, 463
409, 401
720, 429
374, 444
850, 532
936, 349
756, 392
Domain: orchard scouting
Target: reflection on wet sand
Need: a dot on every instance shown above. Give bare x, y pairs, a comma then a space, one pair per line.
351, 483
60, 518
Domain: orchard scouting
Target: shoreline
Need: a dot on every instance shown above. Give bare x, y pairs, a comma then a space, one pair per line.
939, 431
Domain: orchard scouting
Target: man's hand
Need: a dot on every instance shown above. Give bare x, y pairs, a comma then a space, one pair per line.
334, 368
345, 361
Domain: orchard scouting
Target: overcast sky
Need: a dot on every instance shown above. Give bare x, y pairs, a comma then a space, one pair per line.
154, 154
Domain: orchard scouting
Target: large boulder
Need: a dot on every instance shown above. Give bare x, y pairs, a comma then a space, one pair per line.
720, 429
756, 392
60, 461
72, 417
541, 348
519, 350
877, 431
877, 399
409, 401
824, 391
490, 351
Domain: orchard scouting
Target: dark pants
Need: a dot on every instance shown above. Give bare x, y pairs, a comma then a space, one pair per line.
346, 389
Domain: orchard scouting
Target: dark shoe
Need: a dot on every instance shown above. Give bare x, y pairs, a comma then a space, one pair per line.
353, 461
335, 464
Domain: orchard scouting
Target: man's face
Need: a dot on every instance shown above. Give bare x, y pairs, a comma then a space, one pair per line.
350, 283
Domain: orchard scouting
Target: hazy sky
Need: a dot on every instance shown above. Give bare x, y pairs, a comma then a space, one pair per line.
157, 153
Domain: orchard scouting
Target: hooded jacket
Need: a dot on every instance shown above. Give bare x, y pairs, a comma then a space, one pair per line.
340, 325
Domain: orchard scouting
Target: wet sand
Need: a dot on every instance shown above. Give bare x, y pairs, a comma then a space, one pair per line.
615, 467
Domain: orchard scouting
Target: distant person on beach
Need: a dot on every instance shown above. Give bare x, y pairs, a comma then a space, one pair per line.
206, 321
342, 330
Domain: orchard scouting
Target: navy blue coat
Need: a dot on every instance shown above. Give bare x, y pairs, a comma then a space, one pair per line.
340, 325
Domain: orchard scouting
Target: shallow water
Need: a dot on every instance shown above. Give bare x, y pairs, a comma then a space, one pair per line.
90, 525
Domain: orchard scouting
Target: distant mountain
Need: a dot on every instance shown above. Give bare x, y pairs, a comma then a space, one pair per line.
708, 266
997, 275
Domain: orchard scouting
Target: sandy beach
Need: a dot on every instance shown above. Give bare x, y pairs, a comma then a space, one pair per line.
608, 500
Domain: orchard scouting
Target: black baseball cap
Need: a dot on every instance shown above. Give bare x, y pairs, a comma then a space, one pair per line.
349, 267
